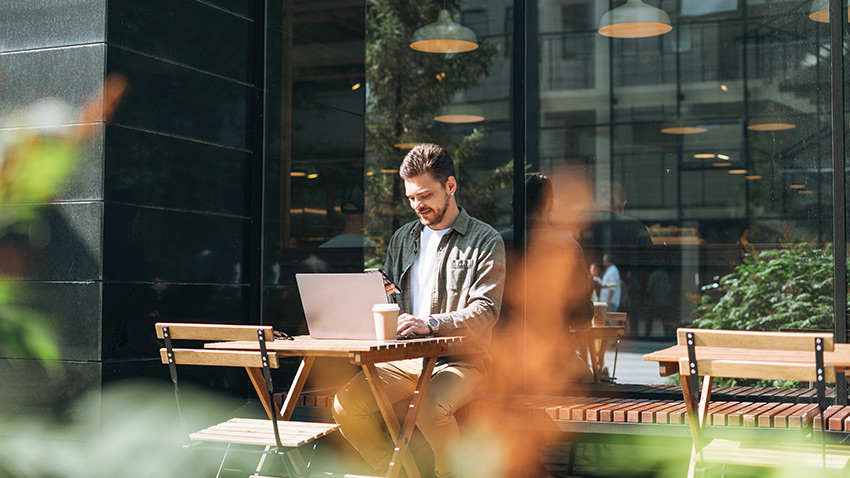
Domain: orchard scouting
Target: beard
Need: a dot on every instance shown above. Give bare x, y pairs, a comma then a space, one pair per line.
434, 214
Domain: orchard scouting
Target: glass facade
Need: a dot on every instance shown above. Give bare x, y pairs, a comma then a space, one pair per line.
678, 154
260, 138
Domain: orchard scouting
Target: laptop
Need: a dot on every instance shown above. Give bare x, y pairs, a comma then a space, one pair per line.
339, 306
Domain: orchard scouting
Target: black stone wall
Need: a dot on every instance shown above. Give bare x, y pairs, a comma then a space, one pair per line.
161, 217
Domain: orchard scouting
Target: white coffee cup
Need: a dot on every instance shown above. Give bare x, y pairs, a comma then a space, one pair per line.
386, 321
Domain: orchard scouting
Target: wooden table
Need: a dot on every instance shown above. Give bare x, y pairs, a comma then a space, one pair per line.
668, 359
365, 353
595, 340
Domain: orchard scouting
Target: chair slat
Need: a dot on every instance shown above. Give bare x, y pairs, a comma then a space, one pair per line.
214, 332
756, 340
760, 369
221, 358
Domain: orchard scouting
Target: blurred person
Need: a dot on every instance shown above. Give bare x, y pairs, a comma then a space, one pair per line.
596, 280
610, 226
352, 209
549, 288
660, 301
612, 286
611, 230
451, 269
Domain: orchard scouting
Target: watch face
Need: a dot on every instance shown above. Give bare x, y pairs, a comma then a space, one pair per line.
433, 323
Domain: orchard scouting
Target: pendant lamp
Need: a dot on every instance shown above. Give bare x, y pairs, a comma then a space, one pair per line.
683, 125
444, 36
459, 114
635, 19
819, 11
769, 117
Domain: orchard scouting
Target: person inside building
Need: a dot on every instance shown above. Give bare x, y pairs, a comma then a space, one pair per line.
611, 290
451, 269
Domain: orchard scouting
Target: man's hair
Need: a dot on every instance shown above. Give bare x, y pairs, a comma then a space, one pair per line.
427, 158
538, 191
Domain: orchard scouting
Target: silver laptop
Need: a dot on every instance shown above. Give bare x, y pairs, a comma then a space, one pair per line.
339, 306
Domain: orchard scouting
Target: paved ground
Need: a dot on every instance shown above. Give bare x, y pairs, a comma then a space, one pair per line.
631, 368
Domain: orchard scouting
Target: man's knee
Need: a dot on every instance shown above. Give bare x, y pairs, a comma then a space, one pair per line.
434, 413
352, 399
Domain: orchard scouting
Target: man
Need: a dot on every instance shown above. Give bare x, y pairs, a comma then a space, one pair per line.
611, 284
451, 269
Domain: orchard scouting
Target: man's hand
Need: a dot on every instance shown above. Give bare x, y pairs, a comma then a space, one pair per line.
410, 324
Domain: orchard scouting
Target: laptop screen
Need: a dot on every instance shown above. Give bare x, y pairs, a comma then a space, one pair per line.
339, 306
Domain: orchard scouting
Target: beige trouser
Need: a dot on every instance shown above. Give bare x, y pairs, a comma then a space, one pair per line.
450, 389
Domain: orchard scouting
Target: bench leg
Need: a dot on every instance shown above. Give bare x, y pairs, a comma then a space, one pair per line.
571, 465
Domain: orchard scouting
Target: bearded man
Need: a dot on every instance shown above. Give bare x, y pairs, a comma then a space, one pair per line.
451, 269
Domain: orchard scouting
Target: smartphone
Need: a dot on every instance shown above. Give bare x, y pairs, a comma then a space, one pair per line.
387, 280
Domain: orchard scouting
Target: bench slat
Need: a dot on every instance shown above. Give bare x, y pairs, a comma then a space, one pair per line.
718, 418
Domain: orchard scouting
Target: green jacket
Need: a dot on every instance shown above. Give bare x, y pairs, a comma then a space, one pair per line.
467, 296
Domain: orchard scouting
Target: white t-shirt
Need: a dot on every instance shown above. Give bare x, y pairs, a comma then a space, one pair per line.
611, 288
423, 273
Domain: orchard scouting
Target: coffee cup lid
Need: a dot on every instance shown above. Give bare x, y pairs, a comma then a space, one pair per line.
383, 307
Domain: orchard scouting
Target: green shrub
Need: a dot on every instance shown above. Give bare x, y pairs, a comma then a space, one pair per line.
786, 288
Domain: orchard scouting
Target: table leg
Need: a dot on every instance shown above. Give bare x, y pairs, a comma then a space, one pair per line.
396, 432
410, 418
256, 376
297, 385
601, 346
257, 379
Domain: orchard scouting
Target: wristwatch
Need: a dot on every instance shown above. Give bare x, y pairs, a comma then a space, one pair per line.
433, 323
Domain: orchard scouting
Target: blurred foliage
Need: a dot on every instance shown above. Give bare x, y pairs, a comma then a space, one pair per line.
405, 88
34, 162
101, 439
40, 146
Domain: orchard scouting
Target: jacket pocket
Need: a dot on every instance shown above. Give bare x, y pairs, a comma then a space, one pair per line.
459, 273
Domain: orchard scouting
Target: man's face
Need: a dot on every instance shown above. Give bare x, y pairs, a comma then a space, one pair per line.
429, 198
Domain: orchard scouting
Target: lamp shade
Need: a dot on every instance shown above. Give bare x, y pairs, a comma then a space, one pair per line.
459, 114
819, 11
635, 19
683, 125
769, 116
444, 36
769, 124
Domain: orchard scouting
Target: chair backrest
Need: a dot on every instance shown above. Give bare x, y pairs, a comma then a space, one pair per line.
757, 355
215, 333
618, 317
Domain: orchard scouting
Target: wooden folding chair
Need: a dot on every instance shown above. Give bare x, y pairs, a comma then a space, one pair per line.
753, 355
280, 438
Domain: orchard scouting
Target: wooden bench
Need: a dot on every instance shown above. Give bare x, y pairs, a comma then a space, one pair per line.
594, 404
278, 437
754, 355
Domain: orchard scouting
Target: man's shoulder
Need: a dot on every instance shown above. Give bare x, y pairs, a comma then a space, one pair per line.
405, 230
481, 228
